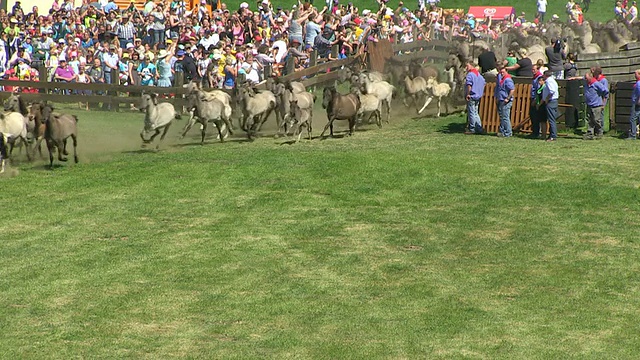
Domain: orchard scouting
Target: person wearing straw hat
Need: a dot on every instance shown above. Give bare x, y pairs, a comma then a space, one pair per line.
164, 69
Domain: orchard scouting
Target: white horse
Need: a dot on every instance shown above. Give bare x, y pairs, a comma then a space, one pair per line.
158, 118
437, 90
370, 105
3, 152
14, 127
256, 106
207, 110
221, 96
381, 89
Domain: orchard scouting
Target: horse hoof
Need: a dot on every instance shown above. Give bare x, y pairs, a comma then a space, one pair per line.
62, 159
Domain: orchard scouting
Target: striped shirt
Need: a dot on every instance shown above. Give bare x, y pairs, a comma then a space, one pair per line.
126, 31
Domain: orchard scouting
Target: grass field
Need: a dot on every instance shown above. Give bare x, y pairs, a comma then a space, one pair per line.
413, 241
599, 10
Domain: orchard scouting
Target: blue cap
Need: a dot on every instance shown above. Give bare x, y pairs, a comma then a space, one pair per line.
404, 9
180, 53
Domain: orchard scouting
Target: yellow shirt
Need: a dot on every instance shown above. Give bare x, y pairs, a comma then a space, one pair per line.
359, 32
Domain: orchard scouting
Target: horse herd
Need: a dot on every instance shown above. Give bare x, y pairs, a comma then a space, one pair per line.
370, 97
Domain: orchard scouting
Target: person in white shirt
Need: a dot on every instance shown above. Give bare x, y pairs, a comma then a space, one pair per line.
542, 9
633, 13
281, 49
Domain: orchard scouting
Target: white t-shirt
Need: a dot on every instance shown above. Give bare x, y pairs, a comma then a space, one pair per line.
542, 6
281, 47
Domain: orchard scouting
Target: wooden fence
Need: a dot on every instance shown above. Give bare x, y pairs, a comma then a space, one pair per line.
618, 66
571, 104
114, 95
622, 105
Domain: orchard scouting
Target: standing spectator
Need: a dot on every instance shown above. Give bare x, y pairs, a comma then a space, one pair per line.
635, 108
488, 62
536, 113
550, 100
594, 93
126, 31
188, 66
570, 67
146, 72
504, 99
474, 91
524, 66
633, 13
64, 73
510, 61
542, 9
163, 69
597, 73
556, 56
110, 61
230, 74
158, 26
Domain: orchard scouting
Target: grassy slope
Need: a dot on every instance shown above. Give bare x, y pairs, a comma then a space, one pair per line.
400, 243
599, 10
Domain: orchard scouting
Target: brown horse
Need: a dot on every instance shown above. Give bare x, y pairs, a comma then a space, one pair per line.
59, 127
340, 107
39, 127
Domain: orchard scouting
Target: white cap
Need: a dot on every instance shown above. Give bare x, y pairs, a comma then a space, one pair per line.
244, 5
366, 12
130, 46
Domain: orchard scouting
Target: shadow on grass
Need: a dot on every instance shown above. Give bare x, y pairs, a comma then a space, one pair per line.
453, 128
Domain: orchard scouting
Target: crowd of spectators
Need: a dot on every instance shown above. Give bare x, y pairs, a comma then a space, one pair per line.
146, 44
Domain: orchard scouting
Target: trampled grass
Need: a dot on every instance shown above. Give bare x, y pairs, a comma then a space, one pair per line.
407, 242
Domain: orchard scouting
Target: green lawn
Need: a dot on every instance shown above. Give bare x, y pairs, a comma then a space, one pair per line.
406, 242
599, 10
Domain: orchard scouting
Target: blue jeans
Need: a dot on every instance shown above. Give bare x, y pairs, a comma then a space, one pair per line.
473, 117
635, 116
504, 111
552, 115
158, 37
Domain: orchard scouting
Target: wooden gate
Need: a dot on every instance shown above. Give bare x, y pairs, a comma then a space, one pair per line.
519, 110
379, 52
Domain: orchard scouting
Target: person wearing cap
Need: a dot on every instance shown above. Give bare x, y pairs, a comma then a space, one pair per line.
147, 72
188, 66
503, 93
64, 73
550, 96
110, 60
126, 31
295, 52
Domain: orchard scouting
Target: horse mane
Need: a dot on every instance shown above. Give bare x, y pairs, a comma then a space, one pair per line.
23, 106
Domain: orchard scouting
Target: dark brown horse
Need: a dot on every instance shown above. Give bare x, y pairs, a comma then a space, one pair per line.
39, 127
340, 107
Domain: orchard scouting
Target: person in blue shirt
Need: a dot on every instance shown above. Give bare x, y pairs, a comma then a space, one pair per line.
504, 99
474, 89
635, 108
594, 94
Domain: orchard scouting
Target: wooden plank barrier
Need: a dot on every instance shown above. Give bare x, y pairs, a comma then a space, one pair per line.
519, 110
622, 105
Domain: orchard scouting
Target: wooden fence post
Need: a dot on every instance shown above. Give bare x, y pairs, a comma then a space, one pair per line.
334, 52
289, 65
43, 76
178, 79
267, 72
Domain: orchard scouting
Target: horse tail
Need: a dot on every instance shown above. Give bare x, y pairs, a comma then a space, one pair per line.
394, 93
177, 116
315, 98
75, 118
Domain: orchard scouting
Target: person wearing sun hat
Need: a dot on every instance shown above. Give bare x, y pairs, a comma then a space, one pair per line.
163, 69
